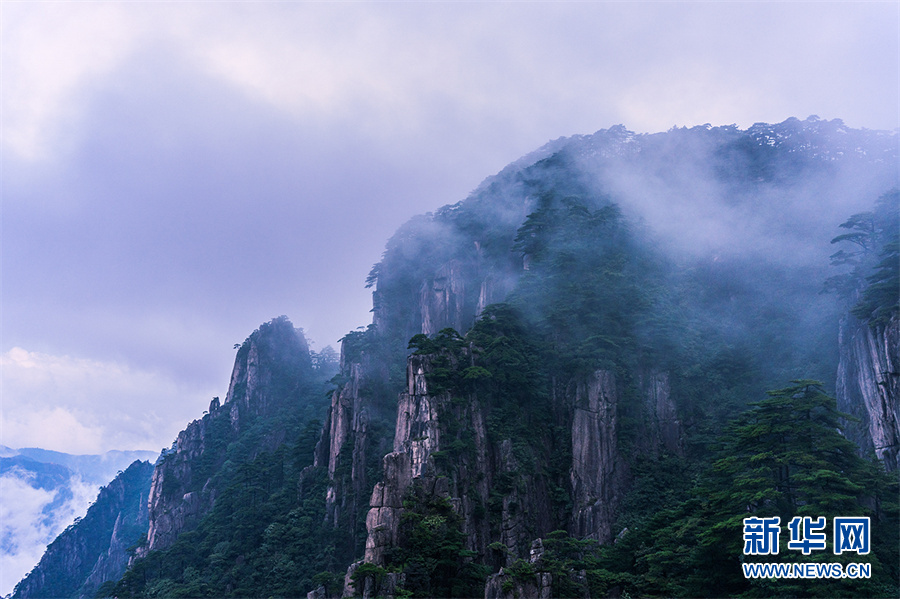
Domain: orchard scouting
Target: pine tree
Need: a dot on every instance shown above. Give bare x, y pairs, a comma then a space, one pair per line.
785, 457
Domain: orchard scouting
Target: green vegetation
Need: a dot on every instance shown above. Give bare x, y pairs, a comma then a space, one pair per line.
873, 260
265, 534
262, 537
783, 457
431, 552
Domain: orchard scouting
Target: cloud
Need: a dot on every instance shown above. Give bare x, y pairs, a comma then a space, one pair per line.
57, 429
177, 174
56, 51
26, 528
395, 70
84, 406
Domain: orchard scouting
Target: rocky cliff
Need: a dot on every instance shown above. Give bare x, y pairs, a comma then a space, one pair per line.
516, 239
94, 550
596, 465
868, 386
422, 432
505, 491
269, 371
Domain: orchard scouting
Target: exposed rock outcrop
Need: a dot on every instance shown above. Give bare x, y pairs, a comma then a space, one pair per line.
868, 386
269, 368
342, 448
443, 300
663, 428
505, 585
442, 449
416, 438
496, 498
596, 475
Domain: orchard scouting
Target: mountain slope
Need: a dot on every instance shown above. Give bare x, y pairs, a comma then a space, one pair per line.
50, 489
93, 550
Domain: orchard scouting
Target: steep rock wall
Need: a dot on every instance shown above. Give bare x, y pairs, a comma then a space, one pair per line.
663, 430
269, 368
497, 499
868, 386
172, 507
442, 446
452, 293
416, 437
356, 433
595, 458
342, 447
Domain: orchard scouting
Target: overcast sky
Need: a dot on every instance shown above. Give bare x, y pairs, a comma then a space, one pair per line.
175, 174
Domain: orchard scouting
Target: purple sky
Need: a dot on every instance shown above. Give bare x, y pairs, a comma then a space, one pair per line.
175, 174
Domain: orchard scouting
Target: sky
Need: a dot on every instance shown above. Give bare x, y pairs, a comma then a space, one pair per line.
174, 174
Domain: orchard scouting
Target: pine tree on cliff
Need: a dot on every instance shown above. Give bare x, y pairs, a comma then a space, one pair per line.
785, 457
875, 261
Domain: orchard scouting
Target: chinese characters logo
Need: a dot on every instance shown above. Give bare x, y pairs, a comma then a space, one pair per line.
851, 535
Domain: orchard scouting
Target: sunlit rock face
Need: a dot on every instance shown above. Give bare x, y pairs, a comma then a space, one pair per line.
868, 386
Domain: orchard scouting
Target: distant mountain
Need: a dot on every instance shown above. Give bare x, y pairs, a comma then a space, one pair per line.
94, 549
96, 469
43, 492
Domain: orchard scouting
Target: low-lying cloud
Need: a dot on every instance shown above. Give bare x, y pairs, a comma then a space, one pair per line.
26, 525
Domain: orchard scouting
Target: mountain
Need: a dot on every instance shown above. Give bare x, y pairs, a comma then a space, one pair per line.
94, 469
93, 550
577, 382
50, 489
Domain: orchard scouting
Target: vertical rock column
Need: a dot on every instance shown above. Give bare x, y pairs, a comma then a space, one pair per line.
868, 386
417, 436
595, 483
663, 426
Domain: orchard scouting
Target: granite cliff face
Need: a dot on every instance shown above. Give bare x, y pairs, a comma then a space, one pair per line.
444, 449
868, 386
596, 471
422, 424
270, 367
94, 549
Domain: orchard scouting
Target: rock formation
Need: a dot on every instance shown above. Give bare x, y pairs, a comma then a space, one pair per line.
270, 367
868, 386
596, 475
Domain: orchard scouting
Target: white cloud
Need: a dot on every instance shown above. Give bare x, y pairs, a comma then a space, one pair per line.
78, 405
50, 51
25, 530
57, 429
395, 70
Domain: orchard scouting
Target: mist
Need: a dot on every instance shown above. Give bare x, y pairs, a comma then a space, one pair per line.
37, 515
726, 234
175, 176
